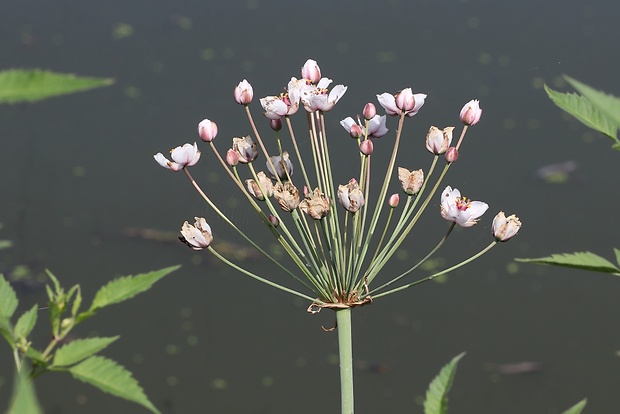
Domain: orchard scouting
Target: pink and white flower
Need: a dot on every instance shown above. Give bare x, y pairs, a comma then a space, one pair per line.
459, 209
376, 125
404, 101
183, 156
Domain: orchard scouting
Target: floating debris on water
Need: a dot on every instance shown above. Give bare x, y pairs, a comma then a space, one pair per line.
559, 173
517, 368
225, 248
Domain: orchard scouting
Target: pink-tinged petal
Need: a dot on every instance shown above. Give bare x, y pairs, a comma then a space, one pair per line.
187, 155
243, 93
405, 100
311, 71
471, 113
419, 101
388, 102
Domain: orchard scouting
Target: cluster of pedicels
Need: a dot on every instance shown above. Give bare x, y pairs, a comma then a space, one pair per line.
312, 93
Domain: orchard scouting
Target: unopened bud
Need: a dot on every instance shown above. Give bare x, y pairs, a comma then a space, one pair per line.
232, 158
366, 147
471, 113
356, 131
207, 130
369, 111
452, 154
275, 222
275, 124
393, 200
243, 93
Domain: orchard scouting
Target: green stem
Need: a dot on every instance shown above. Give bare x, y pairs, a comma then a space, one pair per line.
345, 346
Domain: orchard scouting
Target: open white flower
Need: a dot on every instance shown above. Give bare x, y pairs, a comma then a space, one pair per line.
182, 156
317, 98
460, 209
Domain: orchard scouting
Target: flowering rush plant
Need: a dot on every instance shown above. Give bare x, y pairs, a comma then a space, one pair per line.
339, 235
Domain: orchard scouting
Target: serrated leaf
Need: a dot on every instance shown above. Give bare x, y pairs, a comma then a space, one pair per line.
6, 330
577, 408
112, 378
581, 108
30, 85
577, 260
8, 299
436, 401
127, 287
79, 349
24, 398
608, 105
25, 323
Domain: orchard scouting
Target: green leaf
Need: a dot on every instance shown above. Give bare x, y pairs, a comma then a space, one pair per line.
577, 260
126, 287
8, 299
35, 355
577, 408
617, 252
30, 85
437, 395
57, 287
24, 398
80, 349
112, 378
26, 322
582, 109
608, 105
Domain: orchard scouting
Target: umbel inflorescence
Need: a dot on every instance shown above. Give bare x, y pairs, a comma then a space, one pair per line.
339, 235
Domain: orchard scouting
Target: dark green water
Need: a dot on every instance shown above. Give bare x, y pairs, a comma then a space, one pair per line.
78, 169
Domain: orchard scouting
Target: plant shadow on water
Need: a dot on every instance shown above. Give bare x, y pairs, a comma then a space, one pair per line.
536, 314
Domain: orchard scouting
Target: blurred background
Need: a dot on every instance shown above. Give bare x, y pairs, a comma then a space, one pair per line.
78, 171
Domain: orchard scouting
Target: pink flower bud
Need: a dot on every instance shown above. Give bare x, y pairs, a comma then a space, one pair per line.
232, 158
275, 222
369, 111
471, 113
452, 154
275, 124
243, 93
366, 147
311, 71
393, 200
356, 131
207, 130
